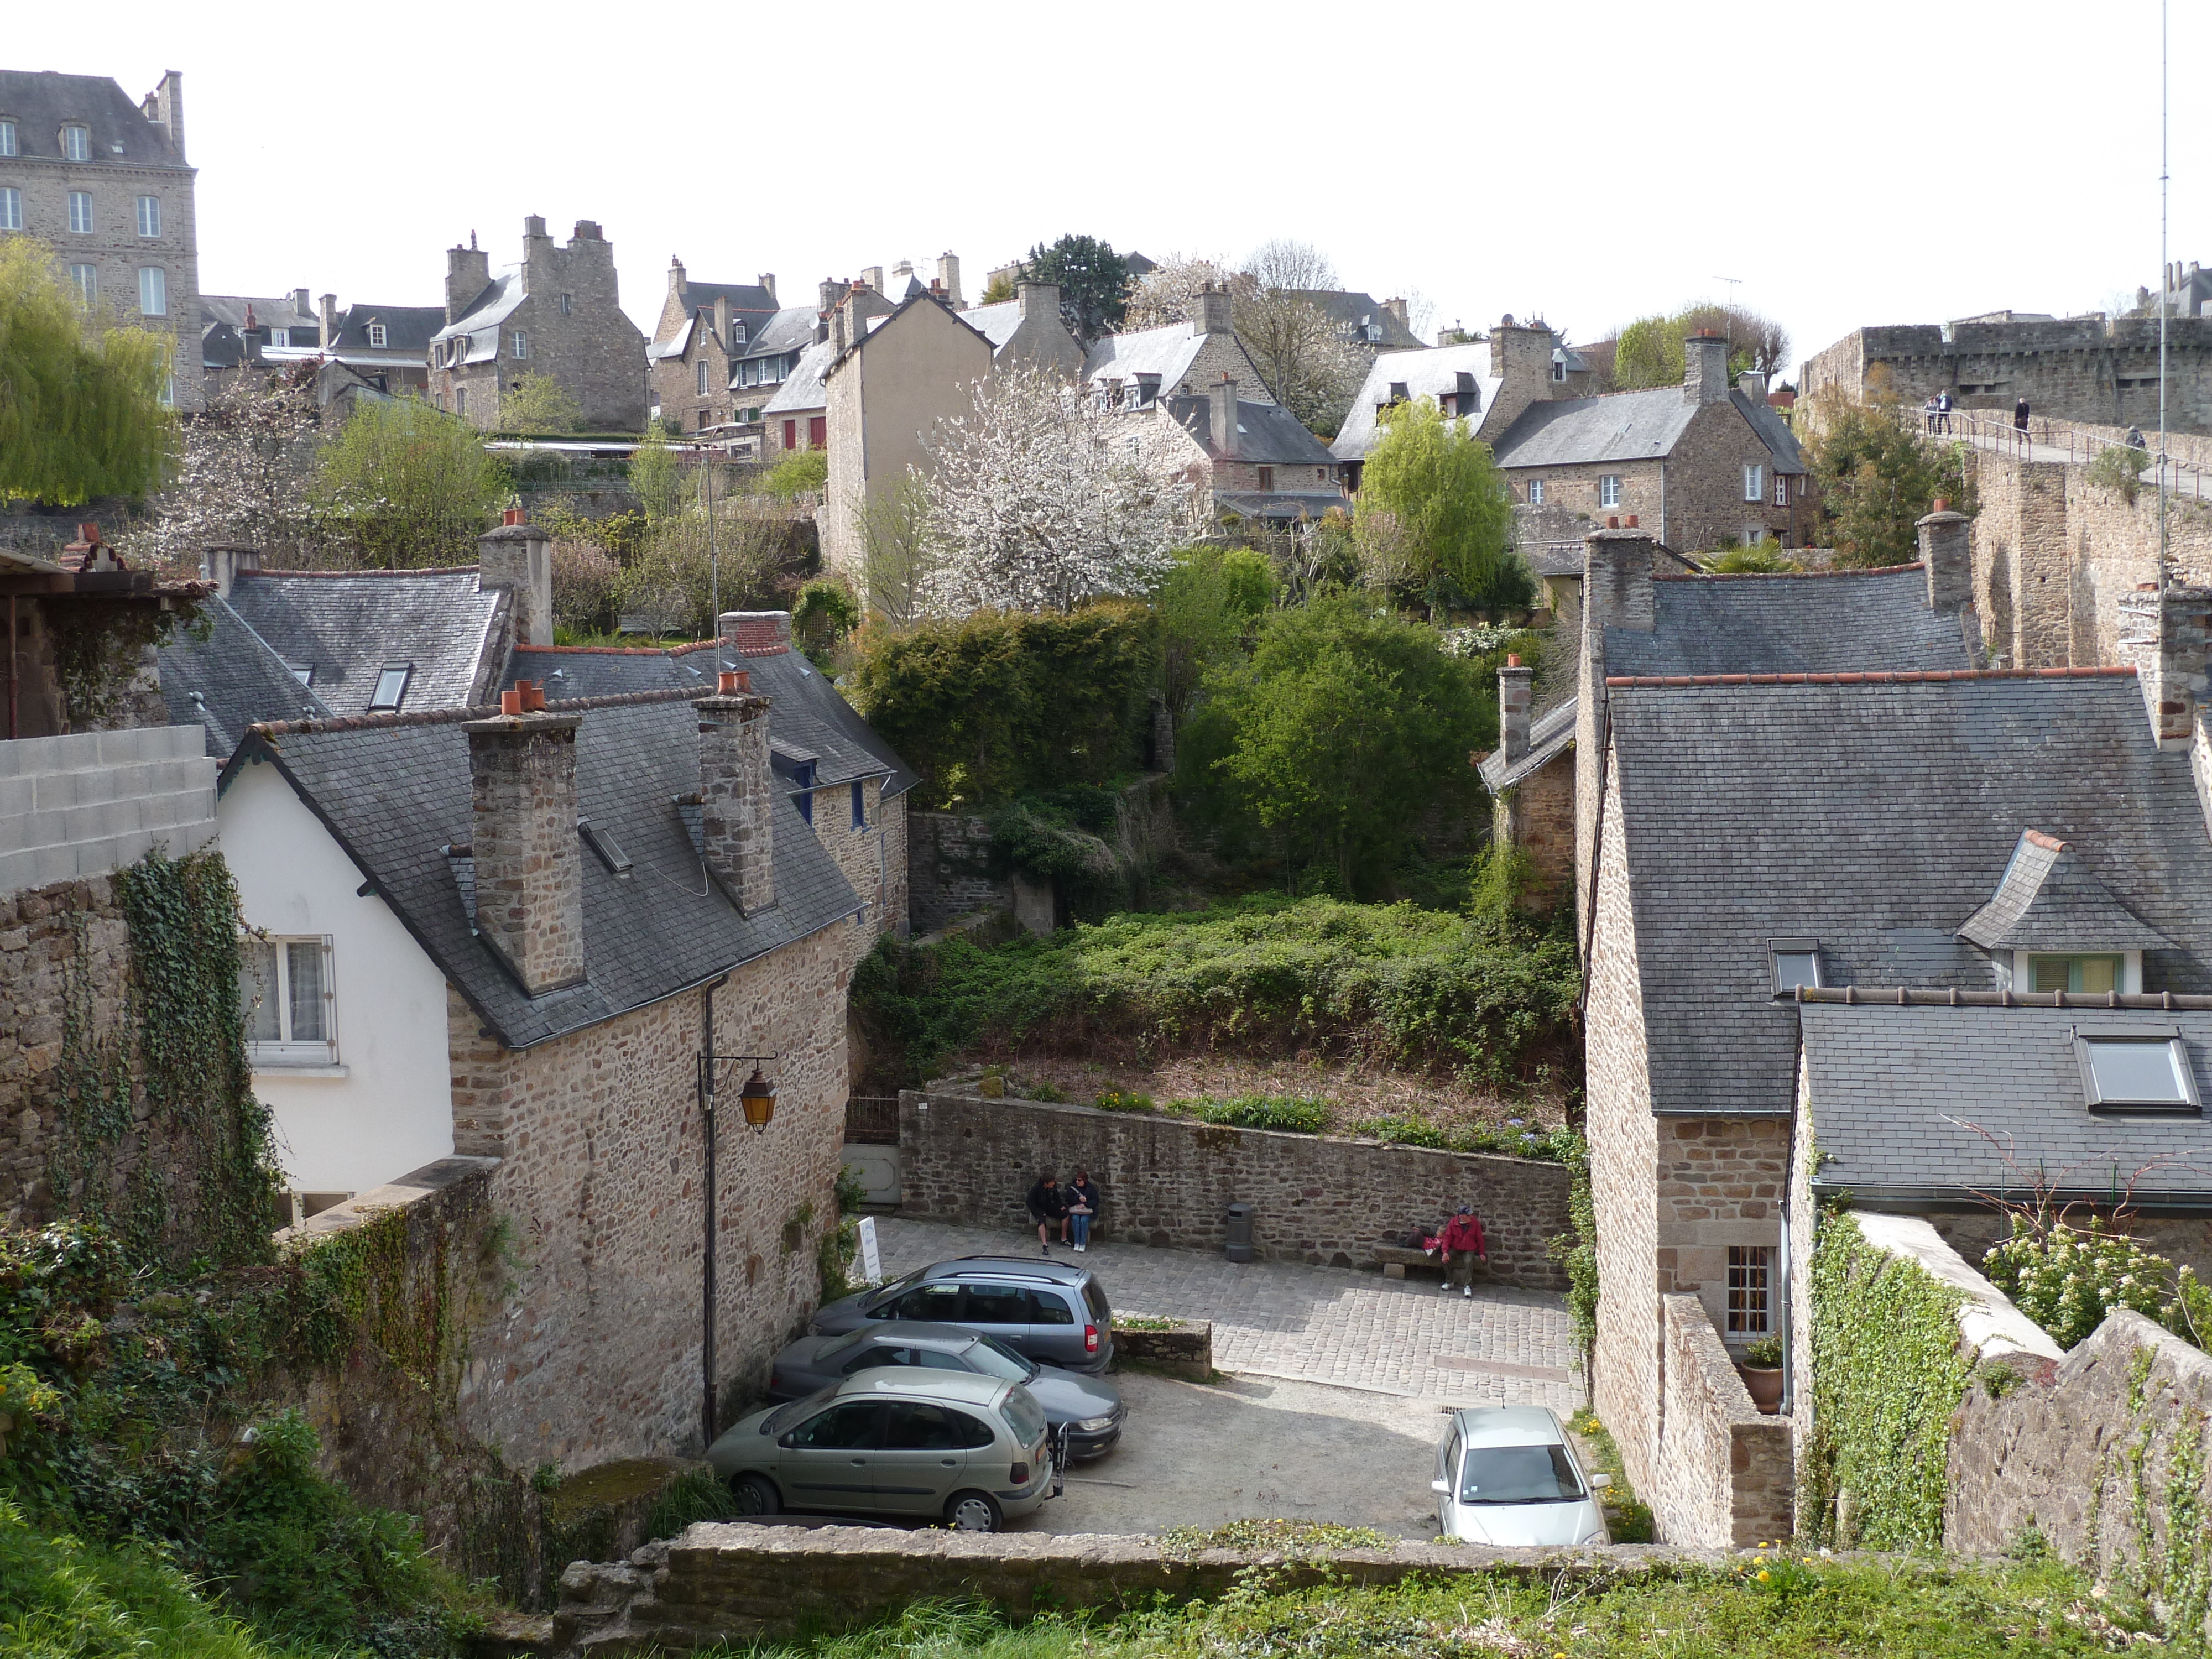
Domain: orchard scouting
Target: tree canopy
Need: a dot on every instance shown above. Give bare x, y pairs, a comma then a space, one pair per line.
1649, 350
1435, 516
406, 484
540, 403
1093, 279
81, 397
1877, 478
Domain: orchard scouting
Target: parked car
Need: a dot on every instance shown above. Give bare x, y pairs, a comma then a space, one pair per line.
1089, 1407
929, 1445
1054, 1311
1508, 1475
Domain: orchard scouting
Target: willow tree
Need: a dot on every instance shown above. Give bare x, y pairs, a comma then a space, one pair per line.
1436, 517
82, 409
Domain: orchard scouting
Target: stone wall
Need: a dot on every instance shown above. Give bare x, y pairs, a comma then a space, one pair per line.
2103, 1454
871, 856
734, 1582
1168, 1181
1725, 1470
948, 872
1537, 815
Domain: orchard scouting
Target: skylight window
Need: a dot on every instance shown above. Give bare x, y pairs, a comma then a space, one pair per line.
2148, 1072
302, 671
391, 687
610, 854
1796, 962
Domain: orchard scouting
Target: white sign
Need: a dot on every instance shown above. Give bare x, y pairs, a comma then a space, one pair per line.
871, 1263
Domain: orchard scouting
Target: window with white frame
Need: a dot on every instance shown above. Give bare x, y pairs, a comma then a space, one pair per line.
79, 212
702, 377
518, 347
1559, 368
86, 279
376, 336
76, 143
1609, 489
1748, 1266
149, 215
280, 336
1781, 489
154, 291
461, 400
284, 988
169, 392
1754, 481
11, 207
390, 688
1536, 492
8, 138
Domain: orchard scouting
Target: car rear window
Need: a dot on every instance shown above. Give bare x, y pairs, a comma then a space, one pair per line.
1095, 1299
1519, 1474
1025, 1414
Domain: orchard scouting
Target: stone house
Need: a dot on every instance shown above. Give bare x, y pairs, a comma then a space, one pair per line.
385, 348
104, 181
1243, 458
769, 358
1708, 464
1530, 777
558, 313
1026, 332
238, 330
704, 330
1134, 371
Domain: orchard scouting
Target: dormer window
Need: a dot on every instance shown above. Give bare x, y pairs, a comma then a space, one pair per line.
2136, 1071
736, 333
376, 336
2095, 975
1794, 961
76, 143
390, 688
8, 138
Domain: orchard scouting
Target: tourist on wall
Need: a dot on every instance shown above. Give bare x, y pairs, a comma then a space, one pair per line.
1943, 410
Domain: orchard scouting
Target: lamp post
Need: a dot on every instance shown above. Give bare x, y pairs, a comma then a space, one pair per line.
757, 1097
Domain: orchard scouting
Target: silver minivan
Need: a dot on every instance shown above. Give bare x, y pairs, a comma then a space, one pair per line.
1508, 1475
928, 1445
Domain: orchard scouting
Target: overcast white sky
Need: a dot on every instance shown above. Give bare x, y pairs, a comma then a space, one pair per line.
1876, 162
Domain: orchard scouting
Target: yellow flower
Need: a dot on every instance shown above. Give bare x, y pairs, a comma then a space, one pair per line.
1762, 1573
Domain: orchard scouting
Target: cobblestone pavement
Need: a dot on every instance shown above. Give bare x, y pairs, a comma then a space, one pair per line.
1324, 1325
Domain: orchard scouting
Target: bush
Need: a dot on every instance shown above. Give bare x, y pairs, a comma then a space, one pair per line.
1402, 1131
1123, 1100
797, 473
824, 613
404, 484
1060, 837
585, 581
1298, 1115
2067, 1280
2120, 469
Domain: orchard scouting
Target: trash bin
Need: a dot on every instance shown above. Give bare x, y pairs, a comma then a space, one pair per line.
1240, 1232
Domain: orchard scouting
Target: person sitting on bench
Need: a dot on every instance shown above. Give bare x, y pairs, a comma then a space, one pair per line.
1463, 1246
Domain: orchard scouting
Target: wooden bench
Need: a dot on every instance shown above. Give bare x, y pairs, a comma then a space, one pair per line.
1396, 1260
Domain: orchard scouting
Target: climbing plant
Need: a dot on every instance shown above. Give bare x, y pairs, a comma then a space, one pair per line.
1576, 1251
99, 645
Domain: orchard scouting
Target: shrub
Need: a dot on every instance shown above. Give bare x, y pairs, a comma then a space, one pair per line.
404, 484
1401, 1131
1059, 837
1123, 1100
1299, 1114
2120, 469
2067, 1280
585, 581
797, 473
824, 613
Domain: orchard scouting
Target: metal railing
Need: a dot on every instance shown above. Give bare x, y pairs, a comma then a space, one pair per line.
1998, 435
872, 1120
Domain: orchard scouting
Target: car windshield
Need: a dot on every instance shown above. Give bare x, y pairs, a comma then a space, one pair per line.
994, 1358
1519, 1474
1025, 1415
783, 1416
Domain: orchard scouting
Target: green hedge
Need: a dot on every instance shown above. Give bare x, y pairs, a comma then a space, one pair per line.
1888, 1371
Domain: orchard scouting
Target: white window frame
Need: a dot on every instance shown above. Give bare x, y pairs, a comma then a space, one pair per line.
376, 336
80, 222
149, 215
2176, 1051
1536, 492
1781, 489
1609, 489
86, 279
11, 207
1754, 481
285, 1052
280, 336
461, 400
76, 141
702, 390
154, 291
10, 144
518, 347
169, 392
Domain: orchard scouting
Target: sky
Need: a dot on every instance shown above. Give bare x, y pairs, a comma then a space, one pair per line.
1584, 162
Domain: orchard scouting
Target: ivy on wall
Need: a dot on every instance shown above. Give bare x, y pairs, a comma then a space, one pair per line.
99, 647
1888, 1371
1577, 1251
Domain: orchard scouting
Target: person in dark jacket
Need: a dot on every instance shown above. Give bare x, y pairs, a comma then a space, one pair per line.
1084, 1200
1048, 1209
1463, 1246
2020, 416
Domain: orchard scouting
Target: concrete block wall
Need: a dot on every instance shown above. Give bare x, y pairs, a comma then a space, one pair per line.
91, 803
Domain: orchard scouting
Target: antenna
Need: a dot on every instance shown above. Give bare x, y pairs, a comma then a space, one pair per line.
1728, 317
2165, 283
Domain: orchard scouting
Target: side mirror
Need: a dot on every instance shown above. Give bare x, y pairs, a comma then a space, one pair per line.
1599, 1482
1442, 1488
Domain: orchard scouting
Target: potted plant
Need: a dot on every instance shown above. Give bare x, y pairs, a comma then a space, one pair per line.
1761, 1370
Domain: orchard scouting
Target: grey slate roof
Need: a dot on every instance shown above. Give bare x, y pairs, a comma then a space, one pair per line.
274, 311
347, 625
1279, 506
397, 794
1364, 322
1875, 817
791, 329
807, 715
1621, 426
1773, 431
228, 680
484, 313
1884, 1081
1167, 351
996, 323
2049, 900
407, 329
1837, 622
1551, 733
803, 391
40, 102
1267, 435
1433, 373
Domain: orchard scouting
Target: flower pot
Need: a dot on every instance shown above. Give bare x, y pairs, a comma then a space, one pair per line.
1764, 1383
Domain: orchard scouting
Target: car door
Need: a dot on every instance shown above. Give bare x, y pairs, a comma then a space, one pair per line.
938, 1302
1003, 1310
1448, 1473
824, 1463
923, 1460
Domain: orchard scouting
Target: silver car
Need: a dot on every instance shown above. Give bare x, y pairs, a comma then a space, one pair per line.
951, 1446
1508, 1475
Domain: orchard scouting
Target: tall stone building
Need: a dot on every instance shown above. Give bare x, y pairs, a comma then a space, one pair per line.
704, 331
556, 312
105, 181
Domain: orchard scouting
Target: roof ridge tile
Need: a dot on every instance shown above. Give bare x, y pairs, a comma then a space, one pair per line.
1869, 676
1784, 575
481, 711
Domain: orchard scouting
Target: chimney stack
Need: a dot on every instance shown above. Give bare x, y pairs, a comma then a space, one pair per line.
223, 562
1616, 594
1516, 694
1704, 369
675, 275
2167, 634
767, 282
1947, 552
737, 797
1222, 418
1038, 298
756, 632
519, 556
1212, 310
327, 311
948, 272
529, 859
722, 318
468, 272
1752, 385
873, 277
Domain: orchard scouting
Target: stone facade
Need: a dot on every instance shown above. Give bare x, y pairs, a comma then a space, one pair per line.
2088, 368
1726, 1471
558, 312
950, 871
1537, 815
872, 856
529, 862
1169, 1181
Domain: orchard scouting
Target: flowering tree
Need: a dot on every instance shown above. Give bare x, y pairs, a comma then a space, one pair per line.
2067, 1280
1034, 503
247, 458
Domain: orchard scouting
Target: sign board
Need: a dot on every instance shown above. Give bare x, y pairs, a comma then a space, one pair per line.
871, 1262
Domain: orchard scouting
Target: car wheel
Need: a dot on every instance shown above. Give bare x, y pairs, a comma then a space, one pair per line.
756, 1495
972, 1511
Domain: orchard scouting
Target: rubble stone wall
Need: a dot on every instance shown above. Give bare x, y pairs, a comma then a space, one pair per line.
1726, 1475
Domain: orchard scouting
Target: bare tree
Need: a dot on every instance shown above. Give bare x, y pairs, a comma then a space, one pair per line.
1285, 263
1304, 358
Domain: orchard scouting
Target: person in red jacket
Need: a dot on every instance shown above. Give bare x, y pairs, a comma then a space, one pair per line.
1463, 1247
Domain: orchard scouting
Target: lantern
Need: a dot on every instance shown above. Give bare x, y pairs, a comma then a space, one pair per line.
758, 1099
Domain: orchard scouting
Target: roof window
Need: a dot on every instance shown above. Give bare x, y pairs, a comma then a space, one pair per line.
391, 687
2136, 1071
1795, 961
302, 671
600, 841
76, 143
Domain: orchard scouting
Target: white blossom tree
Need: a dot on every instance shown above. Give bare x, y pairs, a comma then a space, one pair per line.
1036, 503
243, 475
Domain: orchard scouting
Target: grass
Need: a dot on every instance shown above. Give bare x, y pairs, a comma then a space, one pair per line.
1627, 1518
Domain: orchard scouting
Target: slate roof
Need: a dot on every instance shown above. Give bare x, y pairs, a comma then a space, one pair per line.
1876, 817
407, 329
1167, 351
395, 794
1551, 733
1627, 426
1433, 373
2049, 900
274, 311
480, 322
808, 715
803, 391
1267, 435
1837, 621
1363, 321
996, 323
346, 625
228, 680
791, 329
1886, 1082
40, 102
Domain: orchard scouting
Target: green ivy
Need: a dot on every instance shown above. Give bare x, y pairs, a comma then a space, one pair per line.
1576, 1251
1888, 1372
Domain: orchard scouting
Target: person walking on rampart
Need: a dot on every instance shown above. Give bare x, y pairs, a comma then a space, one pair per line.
1463, 1246
1928, 414
1943, 410
2020, 417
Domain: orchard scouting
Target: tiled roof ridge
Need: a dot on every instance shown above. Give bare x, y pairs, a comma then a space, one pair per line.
484, 711
1903, 996
1872, 676
1784, 575
2049, 844
425, 570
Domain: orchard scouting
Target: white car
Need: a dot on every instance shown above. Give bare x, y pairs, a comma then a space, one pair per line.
1508, 1475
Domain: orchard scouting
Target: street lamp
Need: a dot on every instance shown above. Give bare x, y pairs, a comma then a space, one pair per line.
757, 1098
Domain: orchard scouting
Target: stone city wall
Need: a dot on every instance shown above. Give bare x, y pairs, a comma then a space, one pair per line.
1726, 1473
1169, 1181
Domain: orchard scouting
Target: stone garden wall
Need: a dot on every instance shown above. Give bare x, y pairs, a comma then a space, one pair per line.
1725, 1475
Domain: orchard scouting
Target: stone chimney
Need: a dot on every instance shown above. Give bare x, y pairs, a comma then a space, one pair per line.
222, 562
722, 319
1515, 695
829, 292
468, 270
756, 632
2168, 633
766, 280
1210, 314
873, 277
533, 230
519, 554
1400, 310
675, 275
529, 858
948, 273
586, 230
1752, 385
1947, 550
300, 303
326, 309
1521, 363
1704, 369
1038, 299
737, 793
1616, 594
167, 106
1221, 423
